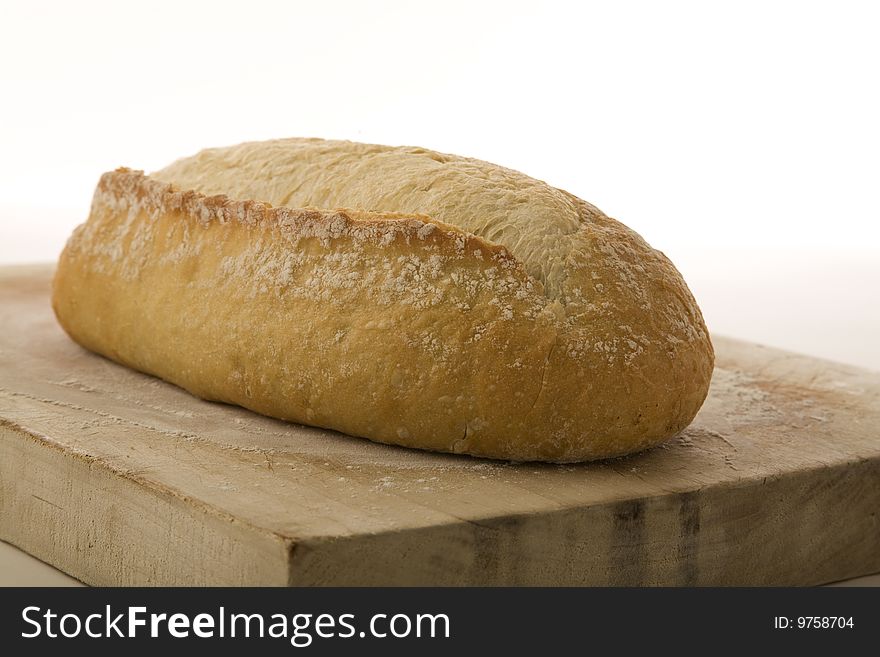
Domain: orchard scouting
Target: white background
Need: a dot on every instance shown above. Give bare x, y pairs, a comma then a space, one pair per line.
742, 139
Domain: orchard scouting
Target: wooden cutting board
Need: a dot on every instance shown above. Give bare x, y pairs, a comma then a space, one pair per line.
119, 478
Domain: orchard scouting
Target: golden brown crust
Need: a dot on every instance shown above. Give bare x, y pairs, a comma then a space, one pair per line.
395, 327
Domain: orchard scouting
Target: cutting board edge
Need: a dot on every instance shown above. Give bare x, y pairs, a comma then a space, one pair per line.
39, 527
802, 501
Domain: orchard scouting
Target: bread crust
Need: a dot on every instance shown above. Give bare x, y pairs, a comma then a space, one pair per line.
394, 327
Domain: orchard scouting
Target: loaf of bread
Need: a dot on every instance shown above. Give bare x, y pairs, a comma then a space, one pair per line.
395, 294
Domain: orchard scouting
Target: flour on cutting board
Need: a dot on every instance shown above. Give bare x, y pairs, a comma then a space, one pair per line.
126, 396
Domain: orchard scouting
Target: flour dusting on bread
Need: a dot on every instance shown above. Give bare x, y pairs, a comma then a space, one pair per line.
406, 296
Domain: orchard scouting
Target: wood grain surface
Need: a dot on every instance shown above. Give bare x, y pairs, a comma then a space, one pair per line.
118, 478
